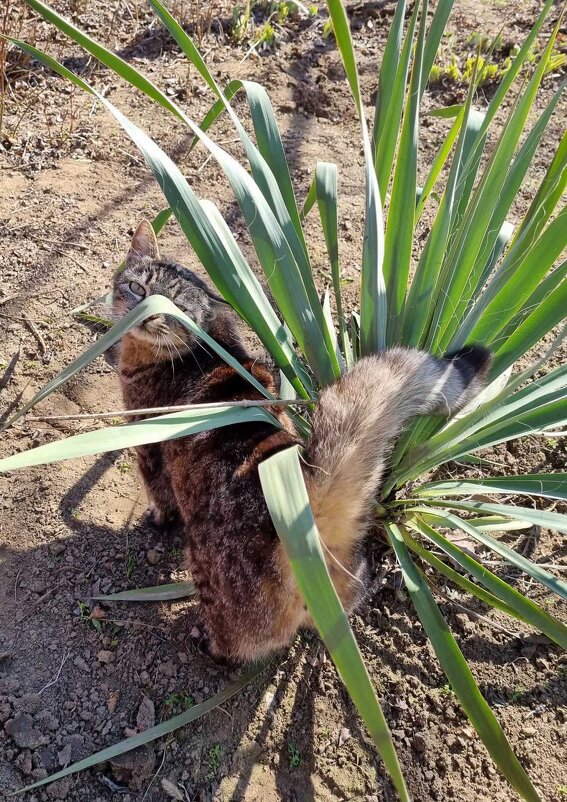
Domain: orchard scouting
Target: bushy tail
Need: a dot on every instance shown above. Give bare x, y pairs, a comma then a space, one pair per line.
359, 417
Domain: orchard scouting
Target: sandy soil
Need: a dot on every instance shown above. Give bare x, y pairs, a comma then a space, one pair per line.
72, 188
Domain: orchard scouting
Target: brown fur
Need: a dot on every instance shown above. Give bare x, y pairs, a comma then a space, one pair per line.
249, 602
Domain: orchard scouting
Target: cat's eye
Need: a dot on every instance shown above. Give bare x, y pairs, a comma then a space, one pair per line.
136, 289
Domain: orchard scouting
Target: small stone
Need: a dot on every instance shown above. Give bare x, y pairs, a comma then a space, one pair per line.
22, 731
344, 735
153, 557
64, 756
104, 656
60, 789
80, 663
134, 767
419, 742
24, 762
529, 732
56, 549
112, 701
146, 716
106, 264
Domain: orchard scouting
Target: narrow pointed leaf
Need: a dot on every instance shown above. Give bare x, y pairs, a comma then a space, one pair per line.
458, 672
153, 733
548, 485
515, 604
288, 503
175, 590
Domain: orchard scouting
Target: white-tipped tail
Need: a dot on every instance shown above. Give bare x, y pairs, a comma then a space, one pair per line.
358, 419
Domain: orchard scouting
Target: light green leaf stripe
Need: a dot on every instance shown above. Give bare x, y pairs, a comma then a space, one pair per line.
152, 430
458, 672
515, 604
286, 496
174, 590
548, 485
153, 733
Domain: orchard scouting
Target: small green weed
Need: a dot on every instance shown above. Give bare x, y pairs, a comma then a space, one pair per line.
131, 564
213, 762
562, 790
265, 37
123, 467
294, 755
516, 694
85, 615
183, 700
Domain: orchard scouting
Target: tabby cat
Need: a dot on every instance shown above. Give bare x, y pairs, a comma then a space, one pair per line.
249, 602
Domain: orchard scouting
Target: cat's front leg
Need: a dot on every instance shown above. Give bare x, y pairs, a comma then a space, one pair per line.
162, 509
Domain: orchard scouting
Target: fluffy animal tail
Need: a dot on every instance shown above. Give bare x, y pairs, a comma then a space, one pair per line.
358, 419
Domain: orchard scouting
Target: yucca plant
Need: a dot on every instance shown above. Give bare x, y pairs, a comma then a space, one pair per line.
477, 278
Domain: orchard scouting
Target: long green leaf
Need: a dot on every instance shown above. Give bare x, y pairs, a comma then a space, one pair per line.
517, 560
272, 247
153, 305
387, 76
373, 304
458, 672
385, 143
288, 503
326, 191
398, 241
456, 578
174, 590
548, 485
153, 733
550, 520
151, 430
515, 604
461, 270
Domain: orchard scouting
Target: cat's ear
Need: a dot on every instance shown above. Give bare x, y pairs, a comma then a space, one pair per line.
144, 244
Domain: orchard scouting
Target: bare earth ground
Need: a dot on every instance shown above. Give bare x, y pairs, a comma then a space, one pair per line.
72, 187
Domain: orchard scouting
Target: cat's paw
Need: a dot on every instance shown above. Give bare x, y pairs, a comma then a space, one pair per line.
159, 518
203, 646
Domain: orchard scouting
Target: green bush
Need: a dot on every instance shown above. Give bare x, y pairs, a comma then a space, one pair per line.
476, 278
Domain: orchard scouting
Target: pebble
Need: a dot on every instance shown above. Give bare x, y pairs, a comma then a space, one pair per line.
104, 656
80, 663
153, 557
419, 742
344, 735
56, 549
112, 701
22, 731
146, 716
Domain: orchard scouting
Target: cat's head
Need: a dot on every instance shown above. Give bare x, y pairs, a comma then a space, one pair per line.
145, 274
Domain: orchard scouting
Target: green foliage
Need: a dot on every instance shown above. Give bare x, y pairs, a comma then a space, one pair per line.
183, 700
476, 274
213, 761
490, 61
294, 755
